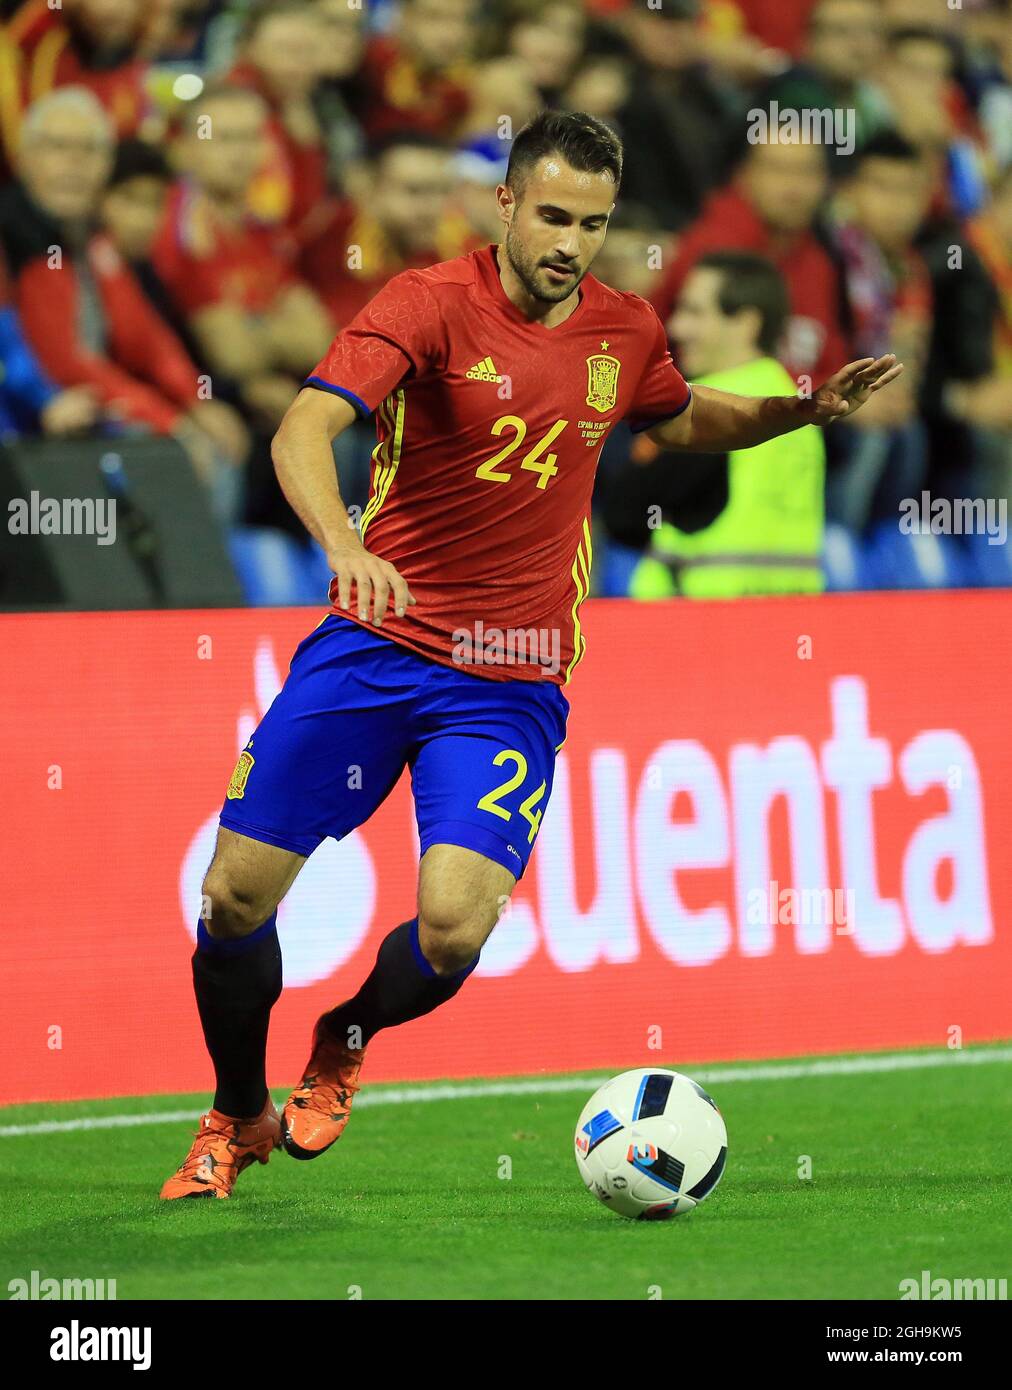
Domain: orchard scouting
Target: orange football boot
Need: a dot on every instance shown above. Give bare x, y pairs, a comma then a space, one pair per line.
317, 1111
222, 1148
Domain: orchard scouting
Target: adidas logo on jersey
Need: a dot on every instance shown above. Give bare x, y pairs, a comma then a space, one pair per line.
484, 371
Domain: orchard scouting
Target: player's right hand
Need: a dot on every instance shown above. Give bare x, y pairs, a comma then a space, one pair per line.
367, 581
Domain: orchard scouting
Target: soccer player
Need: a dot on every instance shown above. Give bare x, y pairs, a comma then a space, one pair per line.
455, 619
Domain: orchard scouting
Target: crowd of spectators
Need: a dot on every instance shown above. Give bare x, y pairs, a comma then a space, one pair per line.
195, 194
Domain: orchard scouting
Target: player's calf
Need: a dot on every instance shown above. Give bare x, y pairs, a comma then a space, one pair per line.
420, 965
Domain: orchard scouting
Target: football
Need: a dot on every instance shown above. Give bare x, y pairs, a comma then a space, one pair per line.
651, 1144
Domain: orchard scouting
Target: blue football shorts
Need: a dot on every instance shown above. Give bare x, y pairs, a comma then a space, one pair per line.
356, 708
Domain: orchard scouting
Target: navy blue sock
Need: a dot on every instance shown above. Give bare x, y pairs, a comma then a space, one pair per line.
237, 982
402, 985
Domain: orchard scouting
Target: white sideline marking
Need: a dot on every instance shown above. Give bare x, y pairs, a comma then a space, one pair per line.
554, 1085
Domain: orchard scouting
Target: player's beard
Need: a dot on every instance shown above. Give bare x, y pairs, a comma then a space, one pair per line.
526, 269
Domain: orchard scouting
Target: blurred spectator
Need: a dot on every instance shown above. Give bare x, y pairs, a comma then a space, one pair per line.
880, 211
634, 250
678, 117
281, 60
132, 211
996, 99
258, 326
340, 57
771, 209
986, 403
603, 82
547, 36
403, 223
85, 43
737, 53
928, 107
134, 197
991, 235
780, 24
940, 16
29, 402
748, 522
178, 31
255, 322
420, 76
843, 47
477, 172
82, 309
503, 98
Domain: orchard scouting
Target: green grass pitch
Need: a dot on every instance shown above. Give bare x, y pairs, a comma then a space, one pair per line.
910, 1171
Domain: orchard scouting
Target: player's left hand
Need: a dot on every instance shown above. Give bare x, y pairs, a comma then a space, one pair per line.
851, 387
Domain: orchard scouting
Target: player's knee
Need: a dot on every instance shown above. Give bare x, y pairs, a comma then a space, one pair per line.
230, 910
451, 935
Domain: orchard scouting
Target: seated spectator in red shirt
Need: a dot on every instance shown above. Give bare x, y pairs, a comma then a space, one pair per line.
132, 211
771, 208
403, 223
29, 402
82, 309
420, 77
281, 57
232, 277
84, 43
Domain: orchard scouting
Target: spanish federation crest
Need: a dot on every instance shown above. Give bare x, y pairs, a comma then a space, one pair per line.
237, 786
602, 381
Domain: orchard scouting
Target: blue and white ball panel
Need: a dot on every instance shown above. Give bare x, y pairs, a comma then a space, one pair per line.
651, 1144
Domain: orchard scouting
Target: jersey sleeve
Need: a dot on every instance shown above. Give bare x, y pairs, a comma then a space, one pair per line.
397, 334
662, 392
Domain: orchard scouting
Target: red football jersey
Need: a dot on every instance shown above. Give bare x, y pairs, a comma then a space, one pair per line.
490, 427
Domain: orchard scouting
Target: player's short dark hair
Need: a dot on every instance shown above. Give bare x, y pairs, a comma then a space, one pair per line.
581, 140
751, 282
137, 159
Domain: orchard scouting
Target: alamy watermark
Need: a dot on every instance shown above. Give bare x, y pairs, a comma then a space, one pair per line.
811, 125
960, 516
36, 515
39, 1286
800, 907
956, 1289
83, 1343
511, 646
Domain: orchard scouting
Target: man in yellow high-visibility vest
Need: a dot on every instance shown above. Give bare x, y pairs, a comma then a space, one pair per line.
751, 521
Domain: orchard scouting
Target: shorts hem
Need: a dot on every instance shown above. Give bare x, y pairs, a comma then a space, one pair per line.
465, 835
270, 837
